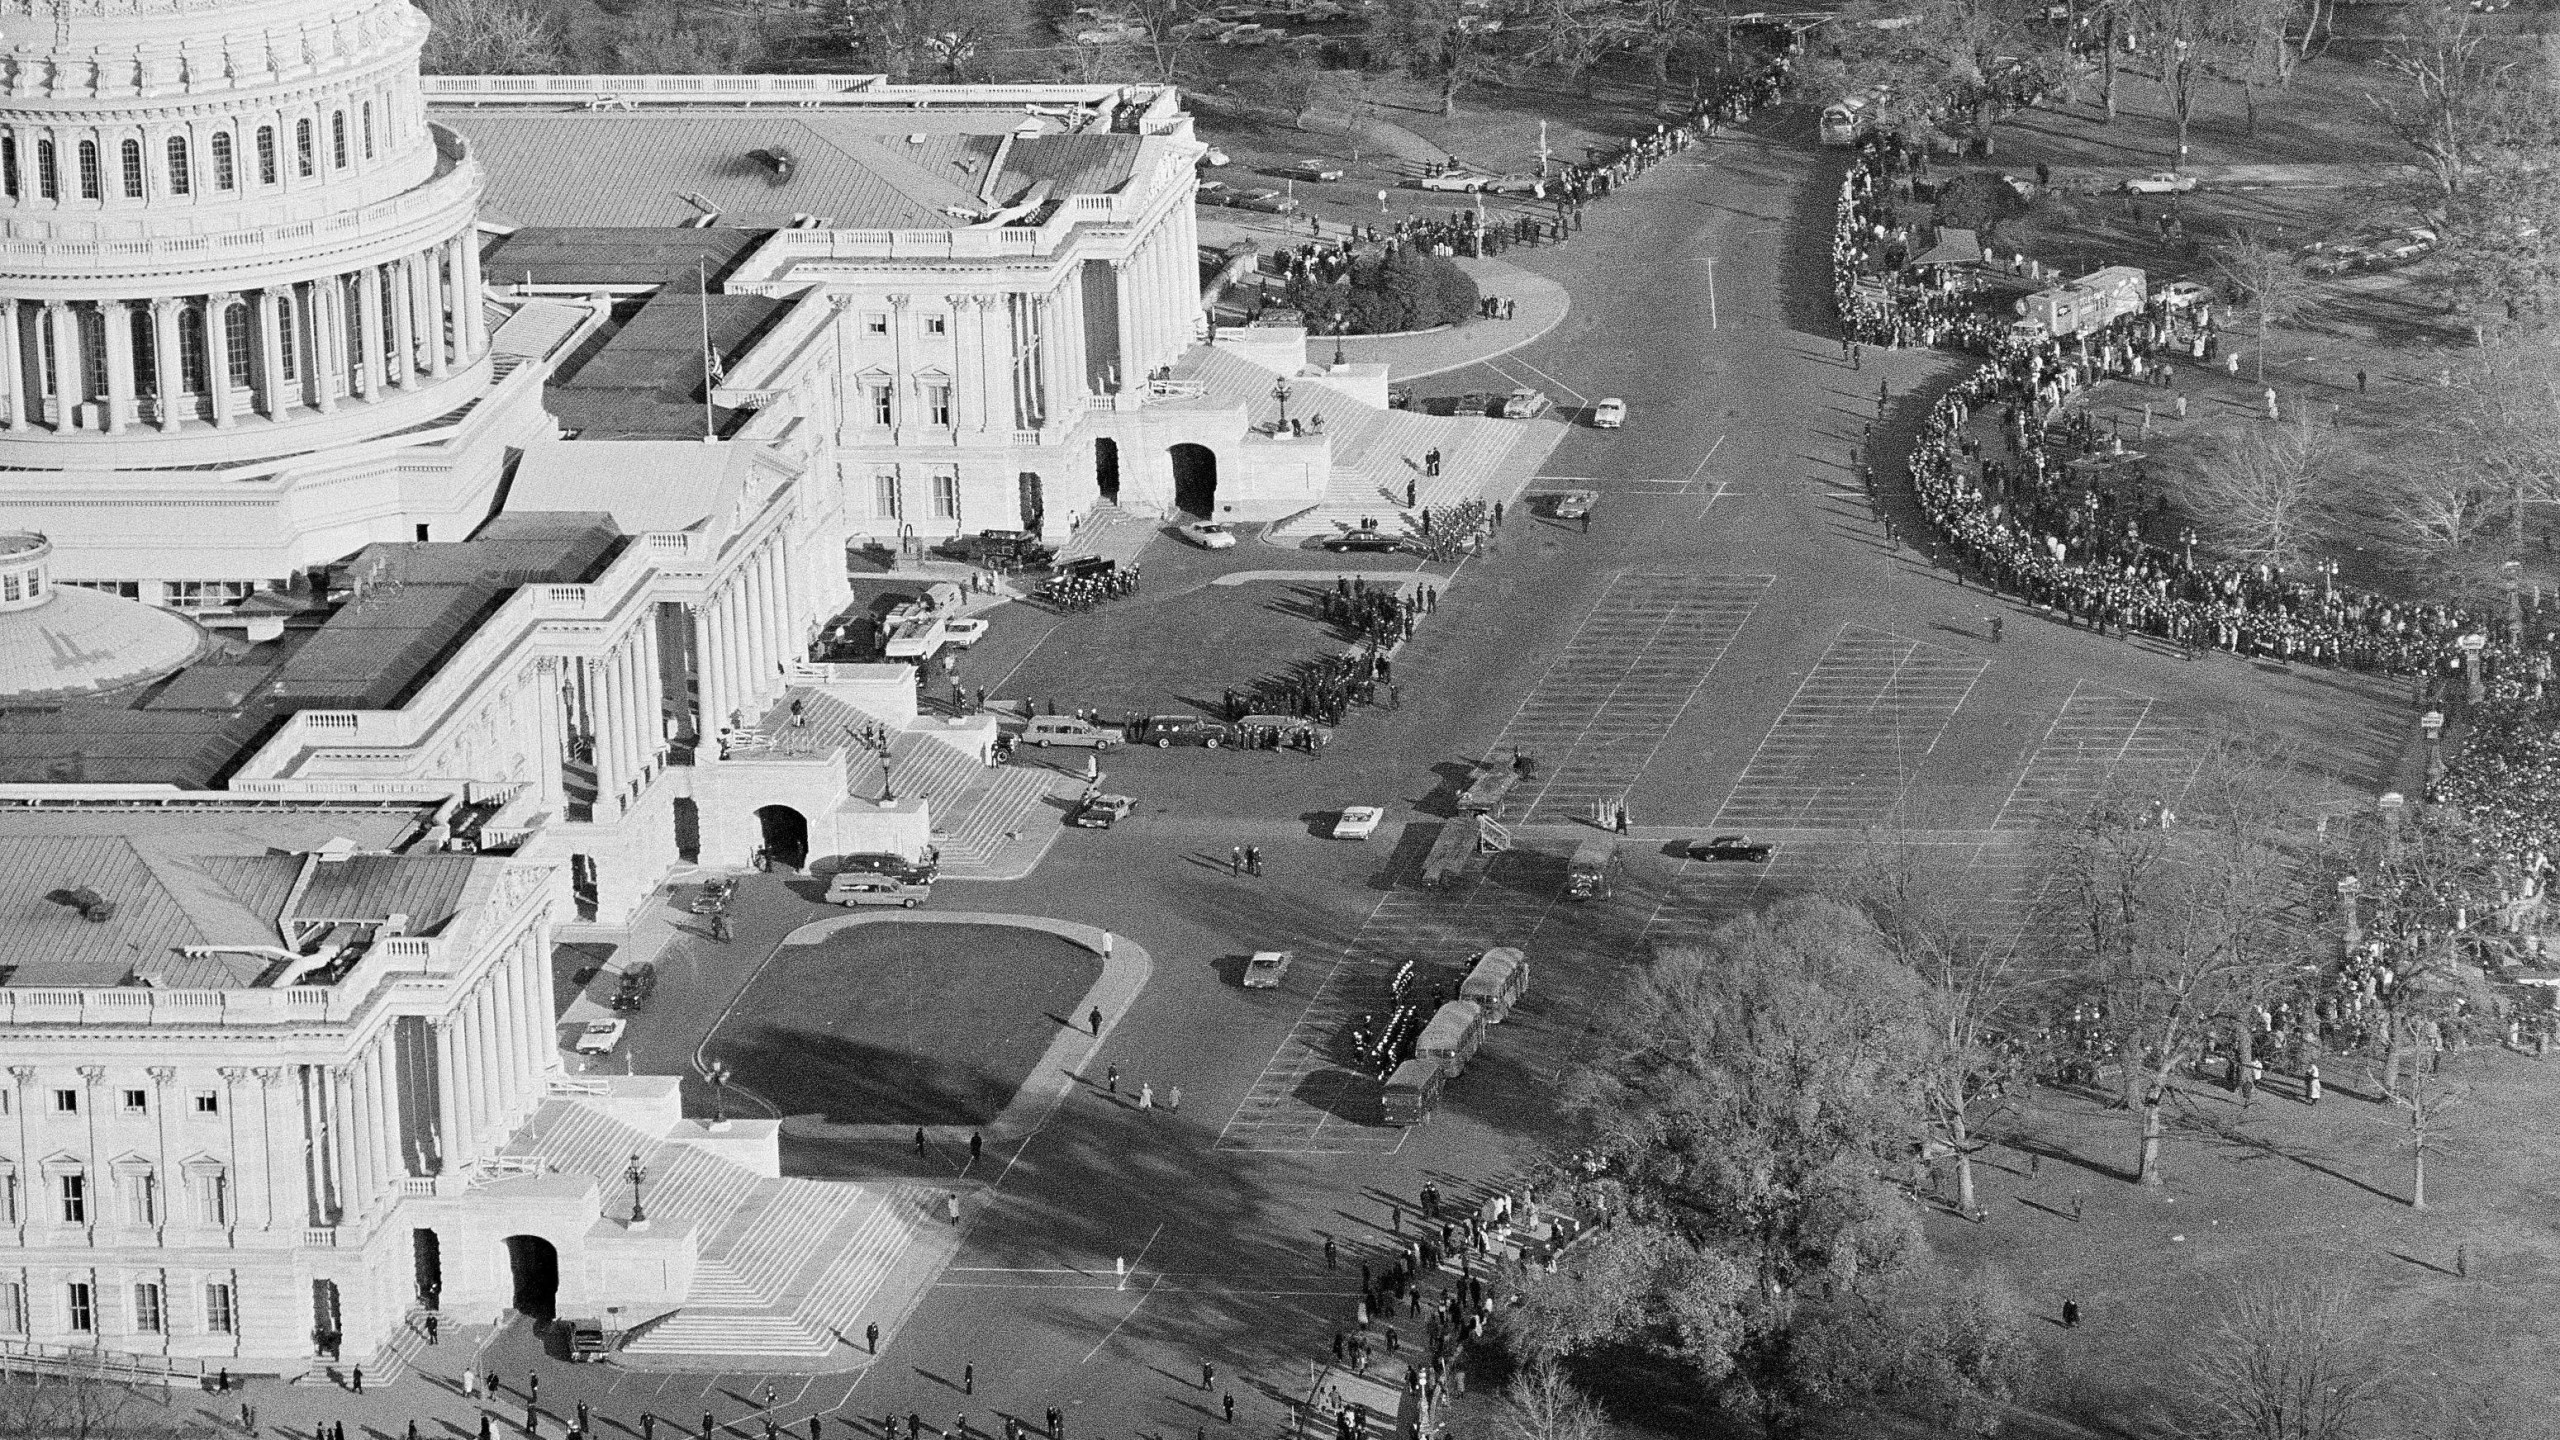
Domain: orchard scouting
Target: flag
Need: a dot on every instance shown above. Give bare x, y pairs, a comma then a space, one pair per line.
711, 363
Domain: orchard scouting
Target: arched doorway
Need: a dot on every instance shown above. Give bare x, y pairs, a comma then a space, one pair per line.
535, 1266
1106, 469
1195, 480
426, 1254
786, 835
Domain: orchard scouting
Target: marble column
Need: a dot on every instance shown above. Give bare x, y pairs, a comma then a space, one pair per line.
217, 358
20, 409
433, 311
369, 346
484, 1010
398, 294
473, 322
273, 392
706, 675
653, 699
382, 1117
969, 406
123, 402
328, 342
270, 1080
355, 1126
512, 1021
64, 328
169, 375
533, 1002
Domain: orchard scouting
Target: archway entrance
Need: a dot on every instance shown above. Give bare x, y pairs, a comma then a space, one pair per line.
426, 1254
535, 1266
1035, 506
786, 835
1195, 480
1106, 469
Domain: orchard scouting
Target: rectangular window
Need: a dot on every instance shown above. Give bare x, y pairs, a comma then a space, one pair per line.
937, 402
368, 129
84, 1312
13, 1308
9, 165
206, 594
147, 1318
221, 1316
130, 590
302, 148
137, 1102
75, 1199
8, 587
338, 140
884, 495
937, 325
66, 1102
213, 1198
883, 412
206, 1102
946, 495
875, 323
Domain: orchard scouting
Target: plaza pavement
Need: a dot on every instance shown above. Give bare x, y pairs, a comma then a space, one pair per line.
1735, 641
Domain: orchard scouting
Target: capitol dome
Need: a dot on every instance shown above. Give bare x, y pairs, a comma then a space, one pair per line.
69, 640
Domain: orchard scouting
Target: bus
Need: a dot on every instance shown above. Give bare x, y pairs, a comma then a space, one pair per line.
1846, 122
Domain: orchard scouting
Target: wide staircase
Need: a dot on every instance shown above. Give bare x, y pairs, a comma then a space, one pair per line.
787, 1268
1115, 534
976, 807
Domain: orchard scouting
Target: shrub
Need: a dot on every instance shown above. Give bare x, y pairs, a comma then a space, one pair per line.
1974, 201
1384, 295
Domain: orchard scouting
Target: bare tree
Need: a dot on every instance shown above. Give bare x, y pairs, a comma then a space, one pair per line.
2269, 283
488, 37
2465, 95
1575, 35
2431, 1097
2290, 1358
2264, 493
1540, 1403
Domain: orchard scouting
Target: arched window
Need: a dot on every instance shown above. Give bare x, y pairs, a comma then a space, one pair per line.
368, 129
48, 184
191, 366
302, 152
286, 341
224, 176
237, 343
146, 352
92, 325
338, 140
9, 165
89, 178
181, 178
349, 307
266, 154
129, 154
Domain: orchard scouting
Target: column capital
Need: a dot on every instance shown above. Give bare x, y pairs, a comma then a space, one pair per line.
93, 1075
224, 300
166, 305
23, 1074
959, 302
163, 1074
270, 1076
234, 1074
900, 302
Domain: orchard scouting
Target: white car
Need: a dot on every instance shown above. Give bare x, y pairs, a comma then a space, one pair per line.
1214, 156
2180, 294
1358, 822
1209, 535
2160, 182
1609, 414
601, 1036
1453, 180
965, 631
1266, 968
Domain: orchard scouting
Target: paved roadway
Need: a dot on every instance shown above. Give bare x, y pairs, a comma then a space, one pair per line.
1733, 643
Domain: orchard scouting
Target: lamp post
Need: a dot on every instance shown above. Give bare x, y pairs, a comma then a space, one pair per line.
2187, 538
2471, 644
2347, 891
2509, 571
718, 1074
2431, 725
1337, 340
1281, 392
635, 1173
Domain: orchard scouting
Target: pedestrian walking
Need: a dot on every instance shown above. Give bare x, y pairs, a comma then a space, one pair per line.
1395, 1224
1111, 1078
1146, 1095
2270, 398
919, 1139
720, 926
2070, 1314
968, 1379
2311, 1085
871, 1336
2359, 382
357, 1376
1331, 1253
1173, 1098
431, 1339
951, 1205
1253, 859
1230, 1406
533, 1386
648, 1425
582, 1417
248, 1417
1235, 861
1408, 492
1208, 1376
1622, 817
1995, 629
470, 1383
1057, 1424
2075, 1209
1094, 1018
977, 1145
1586, 522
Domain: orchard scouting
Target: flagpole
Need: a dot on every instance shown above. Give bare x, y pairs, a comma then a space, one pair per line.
702, 288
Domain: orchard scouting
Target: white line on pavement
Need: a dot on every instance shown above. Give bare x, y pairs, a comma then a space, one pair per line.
1116, 1324
1578, 396
1703, 459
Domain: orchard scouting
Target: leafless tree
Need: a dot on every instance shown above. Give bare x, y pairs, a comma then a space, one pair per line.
1575, 36
488, 37
2288, 1358
2464, 96
2269, 283
2431, 1097
1540, 1403
2264, 493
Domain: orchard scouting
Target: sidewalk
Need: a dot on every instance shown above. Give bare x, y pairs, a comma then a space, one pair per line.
1542, 305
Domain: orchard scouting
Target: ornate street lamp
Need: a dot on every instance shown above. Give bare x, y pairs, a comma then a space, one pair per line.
1281, 392
635, 1173
718, 1073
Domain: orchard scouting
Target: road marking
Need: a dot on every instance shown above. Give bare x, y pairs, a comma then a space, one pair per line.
1578, 396
1842, 752
1116, 1324
1703, 459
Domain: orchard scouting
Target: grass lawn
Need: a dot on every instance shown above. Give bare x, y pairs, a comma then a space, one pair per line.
903, 1024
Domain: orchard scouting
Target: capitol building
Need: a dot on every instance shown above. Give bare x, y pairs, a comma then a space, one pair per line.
421, 500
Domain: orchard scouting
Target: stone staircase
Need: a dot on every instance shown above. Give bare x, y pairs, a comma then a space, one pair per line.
1479, 460
1117, 535
991, 811
785, 1268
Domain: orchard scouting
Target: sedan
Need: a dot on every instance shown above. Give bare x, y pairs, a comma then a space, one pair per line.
1215, 192
600, 1036
1358, 822
1574, 504
1102, 812
1609, 414
1269, 202
964, 632
1264, 970
2160, 182
1313, 170
1517, 185
1454, 180
2180, 294
1210, 535
1731, 847
1366, 542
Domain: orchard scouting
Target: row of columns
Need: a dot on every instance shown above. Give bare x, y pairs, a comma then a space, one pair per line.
491, 1056
625, 714
359, 334
743, 638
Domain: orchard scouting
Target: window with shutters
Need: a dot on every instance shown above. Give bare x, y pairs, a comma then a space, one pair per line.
129, 161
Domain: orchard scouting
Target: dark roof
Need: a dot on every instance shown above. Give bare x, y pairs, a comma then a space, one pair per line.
640, 376
651, 255
426, 888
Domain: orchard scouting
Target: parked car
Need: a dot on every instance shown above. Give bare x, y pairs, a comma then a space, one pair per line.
1003, 549
1609, 414
1358, 822
599, 1037
1269, 202
896, 867
850, 888
638, 984
964, 631
2406, 244
1516, 185
1573, 504
2181, 294
1731, 847
1214, 156
1525, 404
1047, 730
2160, 182
1264, 970
1479, 402
1458, 180
1210, 535
1167, 731
1366, 542
1313, 170
1215, 192
1102, 812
